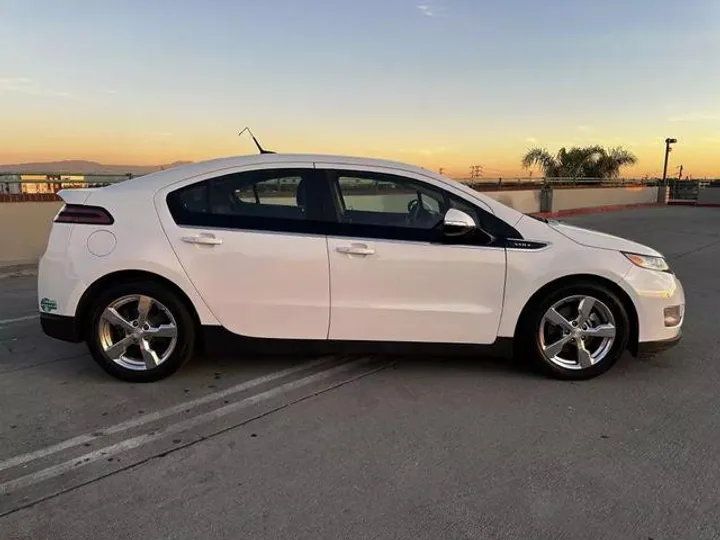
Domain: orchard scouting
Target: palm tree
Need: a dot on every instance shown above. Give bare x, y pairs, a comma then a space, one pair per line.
610, 162
579, 162
540, 157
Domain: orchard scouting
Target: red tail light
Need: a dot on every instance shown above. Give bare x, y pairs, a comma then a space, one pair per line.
88, 215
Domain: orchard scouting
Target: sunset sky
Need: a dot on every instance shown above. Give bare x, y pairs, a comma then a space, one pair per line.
446, 83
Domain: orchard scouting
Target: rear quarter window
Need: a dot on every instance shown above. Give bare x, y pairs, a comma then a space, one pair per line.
192, 200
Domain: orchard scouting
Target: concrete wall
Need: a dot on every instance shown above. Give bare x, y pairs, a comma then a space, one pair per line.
526, 201
24, 230
571, 198
709, 195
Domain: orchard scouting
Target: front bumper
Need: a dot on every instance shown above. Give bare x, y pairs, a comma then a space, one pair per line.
60, 327
651, 348
653, 293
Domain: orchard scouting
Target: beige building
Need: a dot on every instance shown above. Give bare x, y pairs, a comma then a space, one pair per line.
41, 183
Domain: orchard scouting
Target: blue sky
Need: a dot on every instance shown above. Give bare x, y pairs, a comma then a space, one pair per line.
436, 82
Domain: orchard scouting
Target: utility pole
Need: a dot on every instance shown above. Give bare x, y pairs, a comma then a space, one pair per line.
680, 173
441, 170
476, 171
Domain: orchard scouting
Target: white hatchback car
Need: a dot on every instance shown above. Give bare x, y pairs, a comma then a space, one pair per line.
346, 253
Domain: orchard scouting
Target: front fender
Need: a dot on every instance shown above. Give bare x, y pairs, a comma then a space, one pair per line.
528, 271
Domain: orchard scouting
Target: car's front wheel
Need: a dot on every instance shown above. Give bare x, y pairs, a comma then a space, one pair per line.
140, 331
577, 331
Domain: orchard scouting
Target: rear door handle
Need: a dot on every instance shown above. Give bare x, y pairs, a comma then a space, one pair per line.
203, 239
356, 249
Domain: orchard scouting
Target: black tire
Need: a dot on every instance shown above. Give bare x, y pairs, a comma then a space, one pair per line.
185, 339
528, 342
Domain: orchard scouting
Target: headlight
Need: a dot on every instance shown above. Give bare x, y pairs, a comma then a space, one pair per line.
651, 263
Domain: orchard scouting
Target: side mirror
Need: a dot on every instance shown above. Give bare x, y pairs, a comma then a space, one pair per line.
457, 223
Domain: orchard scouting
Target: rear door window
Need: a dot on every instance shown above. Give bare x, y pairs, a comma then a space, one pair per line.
266, 199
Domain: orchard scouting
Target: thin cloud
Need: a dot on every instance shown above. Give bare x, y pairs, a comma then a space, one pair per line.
434, 151
531, 140
24, 85
584, 129
427, 152
701, 116
431, 8
425, 9
17, 84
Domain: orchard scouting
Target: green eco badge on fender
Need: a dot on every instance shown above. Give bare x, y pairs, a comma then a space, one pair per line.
48, 305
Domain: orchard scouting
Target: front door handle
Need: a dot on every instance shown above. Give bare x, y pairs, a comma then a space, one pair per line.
356, 249
203, 239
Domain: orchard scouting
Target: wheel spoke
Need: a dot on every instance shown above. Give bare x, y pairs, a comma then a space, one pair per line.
584, 358
602, 331
591, 324
113, 317
151, 359
144, 305
554, 317
116, 350
584, 309
162, 331
130, 333
555, 348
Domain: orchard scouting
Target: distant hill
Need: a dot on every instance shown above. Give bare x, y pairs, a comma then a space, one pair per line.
84, 167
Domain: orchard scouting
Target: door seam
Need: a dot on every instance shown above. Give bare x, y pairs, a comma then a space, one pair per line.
330, 310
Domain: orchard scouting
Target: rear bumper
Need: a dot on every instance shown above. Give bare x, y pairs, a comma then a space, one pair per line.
650, 348
60, 327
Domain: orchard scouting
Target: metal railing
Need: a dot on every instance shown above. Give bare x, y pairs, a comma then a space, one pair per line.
630, 181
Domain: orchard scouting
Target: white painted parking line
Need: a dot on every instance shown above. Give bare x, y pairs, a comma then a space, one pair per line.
183, 425
4, 322
158, 415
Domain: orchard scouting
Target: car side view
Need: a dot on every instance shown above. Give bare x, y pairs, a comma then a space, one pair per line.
344, 252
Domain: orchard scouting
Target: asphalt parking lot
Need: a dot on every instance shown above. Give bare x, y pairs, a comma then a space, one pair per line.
357, 447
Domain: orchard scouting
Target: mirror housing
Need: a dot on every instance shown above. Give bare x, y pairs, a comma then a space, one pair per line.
457, 223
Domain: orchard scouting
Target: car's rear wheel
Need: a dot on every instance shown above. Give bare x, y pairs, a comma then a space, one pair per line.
576, 332
140, 331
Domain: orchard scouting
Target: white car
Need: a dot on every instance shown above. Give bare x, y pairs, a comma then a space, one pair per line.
345, 253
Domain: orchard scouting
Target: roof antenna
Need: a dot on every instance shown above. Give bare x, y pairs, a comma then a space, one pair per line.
260, 148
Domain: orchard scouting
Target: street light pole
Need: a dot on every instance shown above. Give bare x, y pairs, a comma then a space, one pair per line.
663, 184
668, 142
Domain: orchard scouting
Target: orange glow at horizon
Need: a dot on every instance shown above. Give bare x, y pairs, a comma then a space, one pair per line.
699, 160
101, 134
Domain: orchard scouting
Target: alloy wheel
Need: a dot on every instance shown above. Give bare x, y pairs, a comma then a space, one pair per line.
137, 332
577, 332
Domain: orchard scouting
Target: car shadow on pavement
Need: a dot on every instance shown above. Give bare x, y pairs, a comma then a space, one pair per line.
519, 368
472, 365
27, 352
